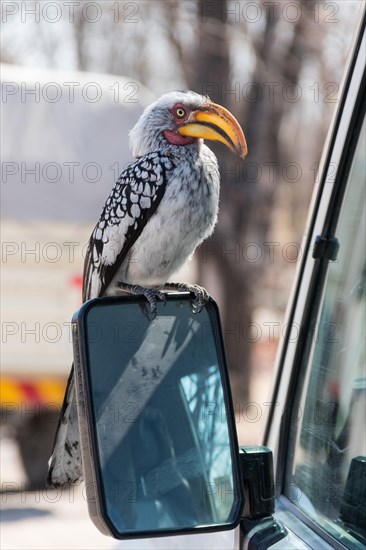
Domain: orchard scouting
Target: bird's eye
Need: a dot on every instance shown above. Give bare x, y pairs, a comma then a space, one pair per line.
180, 112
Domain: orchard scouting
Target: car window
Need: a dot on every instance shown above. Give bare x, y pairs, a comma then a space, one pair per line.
326, 467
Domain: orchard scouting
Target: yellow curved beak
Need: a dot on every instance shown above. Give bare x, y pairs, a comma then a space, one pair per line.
216, 123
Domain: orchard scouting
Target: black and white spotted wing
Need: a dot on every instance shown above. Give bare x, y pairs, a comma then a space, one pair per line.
133, 200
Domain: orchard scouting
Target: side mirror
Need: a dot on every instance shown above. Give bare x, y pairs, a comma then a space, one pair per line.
158, 438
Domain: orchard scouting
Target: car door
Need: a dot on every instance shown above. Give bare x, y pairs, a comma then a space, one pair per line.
317, 423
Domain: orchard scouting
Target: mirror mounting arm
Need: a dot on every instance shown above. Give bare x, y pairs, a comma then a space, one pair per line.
257, 474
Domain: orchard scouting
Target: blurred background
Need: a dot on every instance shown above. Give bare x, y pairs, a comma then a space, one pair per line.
75, 76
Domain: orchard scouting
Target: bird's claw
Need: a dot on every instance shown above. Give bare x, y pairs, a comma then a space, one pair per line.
151, 295
202, 297
201, 294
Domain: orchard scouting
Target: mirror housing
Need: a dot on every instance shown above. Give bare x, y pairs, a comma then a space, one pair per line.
158, 440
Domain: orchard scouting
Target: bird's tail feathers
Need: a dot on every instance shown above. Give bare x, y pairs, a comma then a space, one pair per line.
65, 464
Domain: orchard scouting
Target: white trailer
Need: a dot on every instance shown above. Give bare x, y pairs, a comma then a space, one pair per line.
64, 141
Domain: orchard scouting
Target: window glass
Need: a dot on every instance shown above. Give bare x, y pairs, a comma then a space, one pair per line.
327, 474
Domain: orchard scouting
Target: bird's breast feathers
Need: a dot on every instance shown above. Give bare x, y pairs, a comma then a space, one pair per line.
186, 216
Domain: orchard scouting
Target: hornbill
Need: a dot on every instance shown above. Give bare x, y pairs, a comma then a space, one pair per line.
161, 208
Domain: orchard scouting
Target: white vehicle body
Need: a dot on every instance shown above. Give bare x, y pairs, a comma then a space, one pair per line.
64, 144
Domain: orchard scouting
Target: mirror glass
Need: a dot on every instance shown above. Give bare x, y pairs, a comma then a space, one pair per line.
158, 400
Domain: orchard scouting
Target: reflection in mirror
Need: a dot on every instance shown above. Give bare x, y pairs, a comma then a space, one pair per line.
160, 419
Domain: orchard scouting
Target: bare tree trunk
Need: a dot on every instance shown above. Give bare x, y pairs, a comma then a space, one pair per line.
79, 36
246, 206
212, 76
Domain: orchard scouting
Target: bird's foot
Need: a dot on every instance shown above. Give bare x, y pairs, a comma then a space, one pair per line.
151, 295
201, 294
